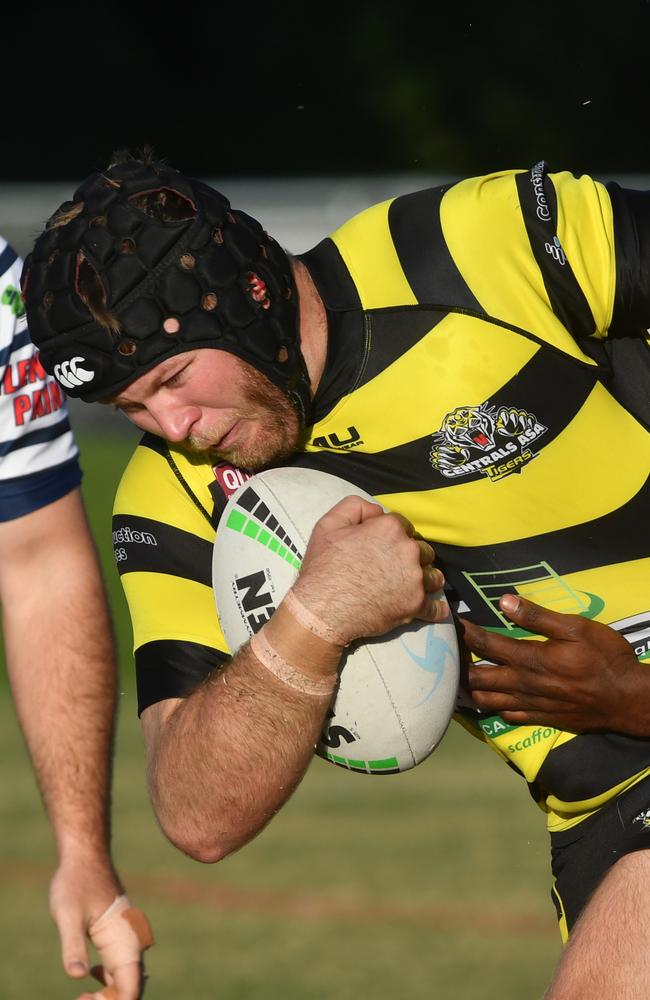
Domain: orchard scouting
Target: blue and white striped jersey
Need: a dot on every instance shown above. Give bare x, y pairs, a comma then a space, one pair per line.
38, 455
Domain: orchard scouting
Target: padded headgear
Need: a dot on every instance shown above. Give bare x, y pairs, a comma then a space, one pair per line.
210, 278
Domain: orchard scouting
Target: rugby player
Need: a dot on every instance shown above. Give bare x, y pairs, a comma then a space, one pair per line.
60, 654
450, 352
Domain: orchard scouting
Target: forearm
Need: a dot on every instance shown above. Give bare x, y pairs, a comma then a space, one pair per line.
62, 672
232, 753
223, 761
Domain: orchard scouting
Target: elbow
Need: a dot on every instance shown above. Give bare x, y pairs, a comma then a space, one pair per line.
204, 851
199, 840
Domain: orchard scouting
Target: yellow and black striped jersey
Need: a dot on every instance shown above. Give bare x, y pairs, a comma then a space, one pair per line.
469, 385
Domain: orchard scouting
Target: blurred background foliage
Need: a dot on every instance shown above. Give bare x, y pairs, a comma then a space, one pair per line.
371, 86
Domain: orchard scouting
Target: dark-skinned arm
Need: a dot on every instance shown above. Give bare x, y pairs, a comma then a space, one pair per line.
583, 677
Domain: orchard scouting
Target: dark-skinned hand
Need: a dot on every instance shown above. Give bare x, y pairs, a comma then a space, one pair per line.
585, 677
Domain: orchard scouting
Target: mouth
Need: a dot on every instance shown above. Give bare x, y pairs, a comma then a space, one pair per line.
228, 438
216, 445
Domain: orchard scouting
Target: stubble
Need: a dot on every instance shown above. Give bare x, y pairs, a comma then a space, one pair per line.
271, 428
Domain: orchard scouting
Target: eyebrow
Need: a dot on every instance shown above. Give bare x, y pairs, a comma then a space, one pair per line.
155, 385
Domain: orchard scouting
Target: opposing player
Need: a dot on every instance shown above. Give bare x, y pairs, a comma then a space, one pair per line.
60, 653
446, 351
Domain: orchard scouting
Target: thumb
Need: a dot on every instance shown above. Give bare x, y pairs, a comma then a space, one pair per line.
537, 619
74, 952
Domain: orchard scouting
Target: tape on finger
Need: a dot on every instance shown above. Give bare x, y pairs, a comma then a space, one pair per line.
120, 934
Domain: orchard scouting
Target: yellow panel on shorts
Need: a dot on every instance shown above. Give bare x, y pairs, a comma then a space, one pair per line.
562, 920
367, 248
564, 815
170, 607
459, 351
483, 226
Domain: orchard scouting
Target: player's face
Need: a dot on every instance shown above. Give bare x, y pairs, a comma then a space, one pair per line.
214, 403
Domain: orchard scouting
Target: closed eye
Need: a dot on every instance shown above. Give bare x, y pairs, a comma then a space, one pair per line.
176, 378
128, 407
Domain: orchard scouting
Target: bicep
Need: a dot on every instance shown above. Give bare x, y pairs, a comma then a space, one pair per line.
52, 536
154, 720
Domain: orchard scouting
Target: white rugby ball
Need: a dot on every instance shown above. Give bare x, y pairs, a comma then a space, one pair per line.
396, 693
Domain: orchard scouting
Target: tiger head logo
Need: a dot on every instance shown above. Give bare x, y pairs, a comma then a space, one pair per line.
471, 426
476, 438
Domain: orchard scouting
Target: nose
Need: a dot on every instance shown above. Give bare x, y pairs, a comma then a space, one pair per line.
174, 419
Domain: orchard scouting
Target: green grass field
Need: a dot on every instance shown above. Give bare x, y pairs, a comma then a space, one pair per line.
428, 884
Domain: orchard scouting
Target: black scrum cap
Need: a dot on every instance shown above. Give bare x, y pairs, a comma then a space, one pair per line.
210, 277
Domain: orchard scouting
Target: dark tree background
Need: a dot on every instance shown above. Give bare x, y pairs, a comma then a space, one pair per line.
288, 88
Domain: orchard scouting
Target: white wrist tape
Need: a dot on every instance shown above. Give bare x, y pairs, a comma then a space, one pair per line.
311, 621
120, 934
269, 657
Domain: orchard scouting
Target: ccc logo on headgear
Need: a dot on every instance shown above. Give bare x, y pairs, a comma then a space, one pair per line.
70, 376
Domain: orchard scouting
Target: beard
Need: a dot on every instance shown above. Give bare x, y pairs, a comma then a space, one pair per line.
270, 430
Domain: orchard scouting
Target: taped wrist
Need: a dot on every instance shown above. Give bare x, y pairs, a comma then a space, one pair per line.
311, 621
288, 674
120, 934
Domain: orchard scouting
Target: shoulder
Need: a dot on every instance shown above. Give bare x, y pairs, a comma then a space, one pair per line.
10, 263
12, 309
163, 483
37, 451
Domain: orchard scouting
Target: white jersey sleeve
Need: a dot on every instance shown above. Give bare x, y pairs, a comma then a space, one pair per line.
38, 455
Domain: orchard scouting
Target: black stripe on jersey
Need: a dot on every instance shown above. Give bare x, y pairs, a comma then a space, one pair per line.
631, 209
614, 538
407, 467
35, 437
538, 201
348, 346
371, 472
220, 502
146, 546
331, 277
432, 273
592, 764
393, 332
629, 358
170, 668
154, 443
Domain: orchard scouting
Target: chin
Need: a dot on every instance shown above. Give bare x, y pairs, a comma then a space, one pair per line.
267, 438
255, 456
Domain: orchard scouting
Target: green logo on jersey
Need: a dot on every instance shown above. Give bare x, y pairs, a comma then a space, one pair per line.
495, 726
11, 297
539, 583
534, 737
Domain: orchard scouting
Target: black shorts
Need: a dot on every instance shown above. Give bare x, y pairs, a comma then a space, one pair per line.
581, 856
